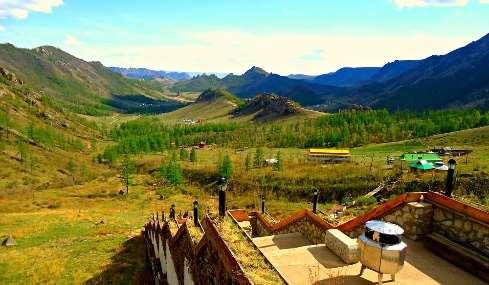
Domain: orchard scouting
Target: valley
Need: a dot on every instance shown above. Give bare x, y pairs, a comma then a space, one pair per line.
90, 153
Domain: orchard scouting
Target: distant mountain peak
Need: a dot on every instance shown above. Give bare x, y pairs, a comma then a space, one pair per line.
268, 106
255, 70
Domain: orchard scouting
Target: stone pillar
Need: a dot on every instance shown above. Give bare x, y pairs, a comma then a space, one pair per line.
415, 218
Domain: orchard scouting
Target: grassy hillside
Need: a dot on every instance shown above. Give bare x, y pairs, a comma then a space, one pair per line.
216, 105
70, 82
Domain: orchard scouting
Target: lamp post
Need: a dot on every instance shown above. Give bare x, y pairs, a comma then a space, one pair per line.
222, 196
315, 201
452, 164
172, 213
196, 213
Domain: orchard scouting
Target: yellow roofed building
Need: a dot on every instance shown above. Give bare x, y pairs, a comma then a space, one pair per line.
329, 155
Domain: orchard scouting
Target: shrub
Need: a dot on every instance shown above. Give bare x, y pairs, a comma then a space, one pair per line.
366, 200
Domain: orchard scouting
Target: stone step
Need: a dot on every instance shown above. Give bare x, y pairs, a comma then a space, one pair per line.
280, 242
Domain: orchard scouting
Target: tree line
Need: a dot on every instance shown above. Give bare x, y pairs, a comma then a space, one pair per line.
343, 129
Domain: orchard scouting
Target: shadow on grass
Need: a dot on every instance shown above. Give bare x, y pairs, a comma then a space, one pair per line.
128, 266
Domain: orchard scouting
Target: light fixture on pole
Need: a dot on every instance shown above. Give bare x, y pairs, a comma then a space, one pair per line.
222, 196
452, 164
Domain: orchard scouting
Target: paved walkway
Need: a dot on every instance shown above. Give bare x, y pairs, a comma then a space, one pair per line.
300, 262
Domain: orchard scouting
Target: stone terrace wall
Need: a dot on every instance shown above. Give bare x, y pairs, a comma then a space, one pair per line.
461, 229
437, 213
305, 222
175, 260
418, 213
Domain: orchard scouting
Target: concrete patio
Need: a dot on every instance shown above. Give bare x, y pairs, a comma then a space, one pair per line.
301, 262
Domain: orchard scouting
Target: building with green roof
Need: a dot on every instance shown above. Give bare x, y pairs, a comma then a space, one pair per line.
421, 165
415, 157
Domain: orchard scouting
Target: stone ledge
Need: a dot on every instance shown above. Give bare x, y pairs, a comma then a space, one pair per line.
342, 245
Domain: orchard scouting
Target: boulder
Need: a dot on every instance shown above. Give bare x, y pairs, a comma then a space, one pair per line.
9, 241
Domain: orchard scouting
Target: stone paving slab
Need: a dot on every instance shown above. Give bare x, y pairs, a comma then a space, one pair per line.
301, 263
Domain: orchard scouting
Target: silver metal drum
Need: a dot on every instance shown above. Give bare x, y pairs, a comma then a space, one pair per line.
381, 258
382, 249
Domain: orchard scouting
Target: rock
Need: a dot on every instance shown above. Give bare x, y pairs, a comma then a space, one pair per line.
458, 224
475, 244
9, 241
467, 226
447, 223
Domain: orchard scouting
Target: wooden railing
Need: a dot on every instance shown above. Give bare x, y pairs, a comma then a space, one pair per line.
379, 211
283, 224
181, 247
457, 206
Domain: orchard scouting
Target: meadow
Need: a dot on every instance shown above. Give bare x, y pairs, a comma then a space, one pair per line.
84, 231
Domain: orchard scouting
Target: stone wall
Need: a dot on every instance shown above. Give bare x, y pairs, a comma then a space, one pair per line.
308, 229
305, 222
414, 217
442, 215
461, 229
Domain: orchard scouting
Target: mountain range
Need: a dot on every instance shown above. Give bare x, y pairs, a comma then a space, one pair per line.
144, 73
457, 79
255, 81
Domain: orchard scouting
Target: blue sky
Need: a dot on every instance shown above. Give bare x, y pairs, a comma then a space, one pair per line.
306, 36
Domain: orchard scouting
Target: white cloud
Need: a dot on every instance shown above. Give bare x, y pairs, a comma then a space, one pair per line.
20, 9
71, 40
427, 3
484, 1
2, 28
234, 51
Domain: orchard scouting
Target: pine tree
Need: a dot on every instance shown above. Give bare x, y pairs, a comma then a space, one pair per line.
279, 165
71, 168
259, 156
126, 171
225, 168
183, 154
30, 131
248, 162
23, 150
193, 155
172, 171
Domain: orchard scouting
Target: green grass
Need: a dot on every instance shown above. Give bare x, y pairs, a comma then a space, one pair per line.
69, 244
252, 261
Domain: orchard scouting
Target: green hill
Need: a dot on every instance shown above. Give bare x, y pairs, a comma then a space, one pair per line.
218, 105
41, 146
214, 104
72, 83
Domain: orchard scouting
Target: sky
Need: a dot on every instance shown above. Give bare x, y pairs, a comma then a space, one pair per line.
281, 36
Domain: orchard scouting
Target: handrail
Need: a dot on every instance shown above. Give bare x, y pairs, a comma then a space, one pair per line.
211, 237
380, 210
462, 208
305, 213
